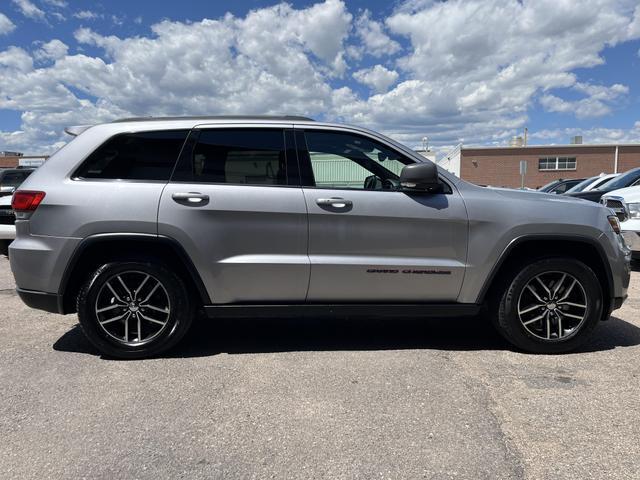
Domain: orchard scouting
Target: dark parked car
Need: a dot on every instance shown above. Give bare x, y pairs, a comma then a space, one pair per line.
11, 178
627, 179
560, 186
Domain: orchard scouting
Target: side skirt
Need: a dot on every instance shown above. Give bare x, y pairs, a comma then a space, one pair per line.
343, 310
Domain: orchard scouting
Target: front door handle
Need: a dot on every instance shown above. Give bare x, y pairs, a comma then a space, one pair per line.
194, 199
335, 202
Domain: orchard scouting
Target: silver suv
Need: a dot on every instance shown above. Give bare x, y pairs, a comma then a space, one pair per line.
138, 224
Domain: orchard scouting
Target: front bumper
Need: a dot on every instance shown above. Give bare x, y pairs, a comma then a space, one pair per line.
632, 239
618, 256
631, 234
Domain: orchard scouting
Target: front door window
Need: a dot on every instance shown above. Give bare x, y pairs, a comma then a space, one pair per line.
346, 161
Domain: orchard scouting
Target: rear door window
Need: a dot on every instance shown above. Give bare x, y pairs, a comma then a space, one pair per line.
135, 156
235, 156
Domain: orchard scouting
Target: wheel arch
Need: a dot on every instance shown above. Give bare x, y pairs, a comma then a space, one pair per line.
101, 248
530, 248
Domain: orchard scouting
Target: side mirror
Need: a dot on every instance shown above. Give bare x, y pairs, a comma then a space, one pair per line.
420, 177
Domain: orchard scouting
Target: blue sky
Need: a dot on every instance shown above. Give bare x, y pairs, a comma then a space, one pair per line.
473, 71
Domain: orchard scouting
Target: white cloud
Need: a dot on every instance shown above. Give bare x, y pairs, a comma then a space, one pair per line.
601, 92
471, 69
6, 25
475, 67
56, 3
273, 60
589, 135
378, 78
117, 20
53, 50
373, 38
597, 103
28, 9
15, 59
86, 15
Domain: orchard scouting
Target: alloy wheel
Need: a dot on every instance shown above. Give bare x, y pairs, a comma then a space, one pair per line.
133, 307
553, 306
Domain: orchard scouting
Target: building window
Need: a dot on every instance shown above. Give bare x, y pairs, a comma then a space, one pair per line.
556, 163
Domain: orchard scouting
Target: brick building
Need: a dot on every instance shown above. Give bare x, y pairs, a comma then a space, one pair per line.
9, 161
13, 161
500, 166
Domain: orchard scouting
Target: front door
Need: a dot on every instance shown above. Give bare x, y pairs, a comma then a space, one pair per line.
235, 204
369, 242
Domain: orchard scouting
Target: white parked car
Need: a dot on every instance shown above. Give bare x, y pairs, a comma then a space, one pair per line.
625, 202
600, 181
7, 220
592, 183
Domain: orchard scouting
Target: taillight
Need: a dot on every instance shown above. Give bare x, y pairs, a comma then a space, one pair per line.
26, 200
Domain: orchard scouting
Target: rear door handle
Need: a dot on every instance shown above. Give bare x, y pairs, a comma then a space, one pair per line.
191, 198
335, 202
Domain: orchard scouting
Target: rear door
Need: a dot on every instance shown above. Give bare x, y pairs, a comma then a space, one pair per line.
368, 241
235, 204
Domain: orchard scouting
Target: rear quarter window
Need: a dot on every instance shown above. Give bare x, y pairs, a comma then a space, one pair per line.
135, 156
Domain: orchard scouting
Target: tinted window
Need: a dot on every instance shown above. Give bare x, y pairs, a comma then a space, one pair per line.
548, 186
135, 156
561, 188
343, 160
603, 182
237, 156
14, 179
582, 185
624, 180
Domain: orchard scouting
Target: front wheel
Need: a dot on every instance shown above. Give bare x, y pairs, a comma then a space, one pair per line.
134, 309
551, 306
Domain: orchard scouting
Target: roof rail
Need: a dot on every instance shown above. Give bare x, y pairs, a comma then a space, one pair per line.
218, 117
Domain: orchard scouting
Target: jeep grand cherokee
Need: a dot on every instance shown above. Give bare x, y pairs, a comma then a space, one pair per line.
137, 224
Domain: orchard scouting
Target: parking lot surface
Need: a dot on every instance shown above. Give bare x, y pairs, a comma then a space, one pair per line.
318, 399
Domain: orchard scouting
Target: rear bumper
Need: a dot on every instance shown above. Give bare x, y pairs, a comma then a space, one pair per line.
38, 262
49, 302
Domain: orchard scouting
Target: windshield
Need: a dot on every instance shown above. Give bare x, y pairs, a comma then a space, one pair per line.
582, 185
624, 180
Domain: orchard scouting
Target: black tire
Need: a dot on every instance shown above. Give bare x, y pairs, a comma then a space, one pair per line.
177, 319
513, 329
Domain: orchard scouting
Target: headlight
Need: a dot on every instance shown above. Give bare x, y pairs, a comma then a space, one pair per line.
634, 210
615, 223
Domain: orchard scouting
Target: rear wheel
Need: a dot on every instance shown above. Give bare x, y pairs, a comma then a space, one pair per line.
134, 309
551, 306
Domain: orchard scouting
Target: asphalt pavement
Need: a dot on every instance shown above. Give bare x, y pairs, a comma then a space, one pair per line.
310, 399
